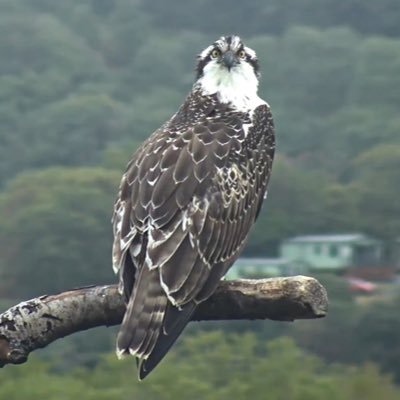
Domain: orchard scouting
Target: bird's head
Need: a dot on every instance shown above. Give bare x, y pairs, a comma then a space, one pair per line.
228, 64
228, 55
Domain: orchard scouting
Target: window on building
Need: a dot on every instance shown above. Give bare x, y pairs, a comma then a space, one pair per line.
333, 250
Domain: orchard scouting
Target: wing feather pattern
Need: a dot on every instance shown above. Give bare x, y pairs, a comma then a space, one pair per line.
186, 204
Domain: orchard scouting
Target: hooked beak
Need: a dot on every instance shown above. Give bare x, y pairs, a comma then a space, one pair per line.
229, 59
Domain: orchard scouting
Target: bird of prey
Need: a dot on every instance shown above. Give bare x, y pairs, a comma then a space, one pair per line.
188, 199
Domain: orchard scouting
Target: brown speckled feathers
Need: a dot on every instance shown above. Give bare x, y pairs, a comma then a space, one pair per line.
186, 204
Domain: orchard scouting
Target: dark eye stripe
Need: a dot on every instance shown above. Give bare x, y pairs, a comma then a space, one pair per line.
222, 45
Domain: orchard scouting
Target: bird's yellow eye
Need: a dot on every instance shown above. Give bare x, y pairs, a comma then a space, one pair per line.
242, 54
215, 53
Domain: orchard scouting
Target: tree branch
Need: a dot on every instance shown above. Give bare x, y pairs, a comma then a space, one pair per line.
38, 322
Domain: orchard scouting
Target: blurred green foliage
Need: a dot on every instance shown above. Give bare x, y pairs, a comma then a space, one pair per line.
211, 366
76, 78
79, 79
50, 236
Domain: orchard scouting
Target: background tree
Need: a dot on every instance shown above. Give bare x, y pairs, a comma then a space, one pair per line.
55, 231
282, 371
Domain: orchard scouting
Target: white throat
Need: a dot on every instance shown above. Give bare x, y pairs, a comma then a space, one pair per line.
237, 87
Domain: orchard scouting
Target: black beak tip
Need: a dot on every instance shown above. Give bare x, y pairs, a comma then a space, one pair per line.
229, 59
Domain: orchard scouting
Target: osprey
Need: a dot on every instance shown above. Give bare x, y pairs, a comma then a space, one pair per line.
188, 199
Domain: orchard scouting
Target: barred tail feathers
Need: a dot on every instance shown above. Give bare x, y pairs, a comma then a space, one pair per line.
176, 319
151, 324
144, 316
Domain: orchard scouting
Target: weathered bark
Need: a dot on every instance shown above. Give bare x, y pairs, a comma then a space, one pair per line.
38, 322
